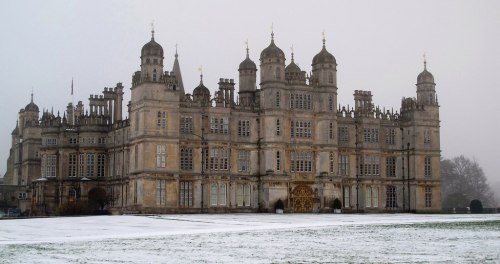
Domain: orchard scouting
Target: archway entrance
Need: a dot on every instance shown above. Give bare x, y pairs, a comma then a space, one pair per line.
302, 199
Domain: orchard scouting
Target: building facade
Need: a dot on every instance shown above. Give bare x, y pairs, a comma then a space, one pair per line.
177, 152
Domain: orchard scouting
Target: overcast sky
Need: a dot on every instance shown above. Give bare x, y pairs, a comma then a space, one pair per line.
378, 46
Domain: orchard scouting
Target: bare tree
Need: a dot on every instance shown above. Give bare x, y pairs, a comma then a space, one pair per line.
463, 180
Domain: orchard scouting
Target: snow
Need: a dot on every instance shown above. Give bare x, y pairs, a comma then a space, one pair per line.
252, 238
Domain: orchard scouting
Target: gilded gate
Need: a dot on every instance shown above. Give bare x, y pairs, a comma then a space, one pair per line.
302, 199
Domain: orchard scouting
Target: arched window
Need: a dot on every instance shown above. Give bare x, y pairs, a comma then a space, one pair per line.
72, 195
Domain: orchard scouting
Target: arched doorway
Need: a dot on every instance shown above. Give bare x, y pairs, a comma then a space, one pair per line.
98, 198
302, 199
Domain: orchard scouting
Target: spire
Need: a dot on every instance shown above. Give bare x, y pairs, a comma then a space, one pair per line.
153, 30
177, 71
32, 95
324, 40
292, 53
272, 32
200, 69
248, 56
425, 62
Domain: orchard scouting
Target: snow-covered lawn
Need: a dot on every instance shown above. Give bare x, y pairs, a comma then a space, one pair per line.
252, 238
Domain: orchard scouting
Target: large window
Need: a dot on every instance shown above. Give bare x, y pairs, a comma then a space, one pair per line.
300, 101
101, 165
81, 165
343, 165
427, 167
428, 196
161, 192
51, 141
218, 194
186, 158
390, 136
219, 125
186, 194
243, 128
244, 161
390, 200
243, 194
161, 156
371, 135
90, 165
301, 161
186, 125
370, 166
51, 166
219, 158
372, 197
343, 135
391, 166
72, 165
300, 129
161, 119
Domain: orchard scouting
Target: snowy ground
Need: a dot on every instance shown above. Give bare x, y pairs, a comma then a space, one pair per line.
253, 238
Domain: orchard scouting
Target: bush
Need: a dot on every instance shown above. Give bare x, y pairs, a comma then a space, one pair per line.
279, 205
337, 204
476, 207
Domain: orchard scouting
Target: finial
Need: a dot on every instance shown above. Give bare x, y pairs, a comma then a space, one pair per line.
246, 43
291, 48
425, 62
200, 69
176, 55
272, 32
32, 94
324, 40
153, 30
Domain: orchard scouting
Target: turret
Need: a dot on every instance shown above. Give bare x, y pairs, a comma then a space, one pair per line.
324, 68
426, 88
248, 80
152, 60
272, 64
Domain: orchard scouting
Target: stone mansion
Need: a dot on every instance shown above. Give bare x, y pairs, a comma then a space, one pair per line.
280, 136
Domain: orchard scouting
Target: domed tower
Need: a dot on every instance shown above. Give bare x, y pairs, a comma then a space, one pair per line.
294, 74
272, 64
324, 68
201, 94
28, 115
426, 88
152, 60
248, 80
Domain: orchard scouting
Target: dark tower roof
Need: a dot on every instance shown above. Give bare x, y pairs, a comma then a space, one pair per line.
324, 56
31, 107
152, 48
272, 51
292, 67
247, 64
425, 76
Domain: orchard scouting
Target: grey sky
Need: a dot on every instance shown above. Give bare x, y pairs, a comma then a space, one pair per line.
378, 46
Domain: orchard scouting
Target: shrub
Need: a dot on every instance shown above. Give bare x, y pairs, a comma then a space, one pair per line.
337, 204
279, 205
476, 207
